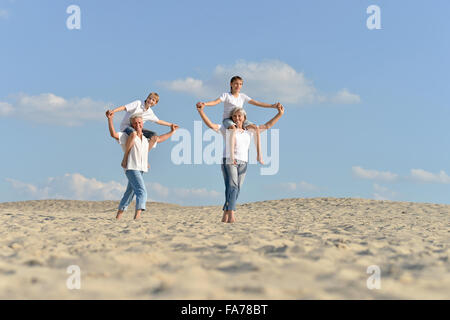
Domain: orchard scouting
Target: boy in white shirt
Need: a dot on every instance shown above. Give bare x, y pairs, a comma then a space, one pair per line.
144, 109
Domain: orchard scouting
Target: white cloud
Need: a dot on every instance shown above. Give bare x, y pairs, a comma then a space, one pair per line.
268, 81
421, 175
190, 85
158, 189
74, 186
4, 14
383, 193
184, 193
50, 108
300, 186
70, 186
5, 109
374, 174
184, 196
345, 97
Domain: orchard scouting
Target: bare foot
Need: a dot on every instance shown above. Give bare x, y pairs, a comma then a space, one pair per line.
225, 217
119, 214
137, 216
231, 218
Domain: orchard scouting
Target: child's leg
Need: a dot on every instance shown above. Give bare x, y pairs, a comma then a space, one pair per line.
228, 123
130, 142
148, 134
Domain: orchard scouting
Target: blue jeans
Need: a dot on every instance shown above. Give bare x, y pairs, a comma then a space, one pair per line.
136, 186
228, 122
147, 133
233, 176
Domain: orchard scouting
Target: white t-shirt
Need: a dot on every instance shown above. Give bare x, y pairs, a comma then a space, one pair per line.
230, 102
137, 107
138, 156
242, 145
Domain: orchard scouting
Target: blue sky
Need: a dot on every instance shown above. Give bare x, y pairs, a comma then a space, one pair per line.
366, 110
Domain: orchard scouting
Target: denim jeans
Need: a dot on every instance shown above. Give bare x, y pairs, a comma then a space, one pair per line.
147, 133
233, 176
228, 122
136, 186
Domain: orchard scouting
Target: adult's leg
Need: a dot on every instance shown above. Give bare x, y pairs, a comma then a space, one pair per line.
126, 200
136, 180
241, 170
225, 179
231, 188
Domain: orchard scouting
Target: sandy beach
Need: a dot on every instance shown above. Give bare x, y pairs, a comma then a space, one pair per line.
283, 249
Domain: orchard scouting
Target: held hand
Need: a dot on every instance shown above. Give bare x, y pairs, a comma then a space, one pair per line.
280, 109
174, 127
200, 106
109, 114
124, 163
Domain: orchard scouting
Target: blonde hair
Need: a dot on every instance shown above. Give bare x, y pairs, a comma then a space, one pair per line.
238, 109
135, 116
154, 95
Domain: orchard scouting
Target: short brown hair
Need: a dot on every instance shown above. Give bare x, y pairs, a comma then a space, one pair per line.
153, 94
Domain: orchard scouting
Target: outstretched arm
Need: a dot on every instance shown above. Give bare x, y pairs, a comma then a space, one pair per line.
121, 108
165, 123
209, 103
272, 121
167, 135
263, 104
112, 131
205, 118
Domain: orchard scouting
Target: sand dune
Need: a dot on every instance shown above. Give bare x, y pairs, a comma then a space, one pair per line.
284, 249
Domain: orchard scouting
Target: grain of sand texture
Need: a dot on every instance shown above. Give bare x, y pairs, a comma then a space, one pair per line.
285, 249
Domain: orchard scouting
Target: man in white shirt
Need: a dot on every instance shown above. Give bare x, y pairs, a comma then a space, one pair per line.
137, 162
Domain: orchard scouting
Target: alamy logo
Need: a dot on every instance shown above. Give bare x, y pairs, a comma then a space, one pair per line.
374, 21
374, 281
193, 151
74, 20
74, 281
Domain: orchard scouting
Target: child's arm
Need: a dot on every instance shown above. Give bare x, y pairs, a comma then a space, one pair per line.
165, 123
263, 105
205, 118
272, 121
210, 103
121, 108
112, 131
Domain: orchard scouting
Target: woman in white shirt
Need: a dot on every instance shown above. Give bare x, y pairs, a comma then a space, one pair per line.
235, 98
234, 170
